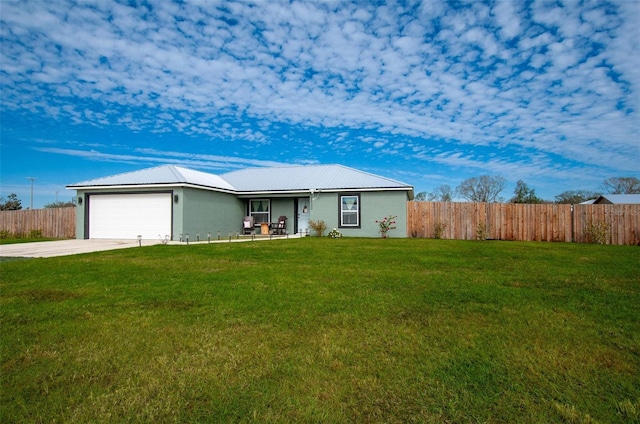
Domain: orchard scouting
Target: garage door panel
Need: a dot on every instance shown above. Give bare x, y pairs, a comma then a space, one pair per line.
125, 216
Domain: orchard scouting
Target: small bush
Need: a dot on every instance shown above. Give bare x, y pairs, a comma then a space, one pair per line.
597, 232
4, 234
318, 227
438, 229
386, 224
482, 233
35, 234
334, 234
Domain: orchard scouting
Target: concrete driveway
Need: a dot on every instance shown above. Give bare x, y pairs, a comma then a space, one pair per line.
47, 249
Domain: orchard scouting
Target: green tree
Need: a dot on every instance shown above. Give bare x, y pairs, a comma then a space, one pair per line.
485, 188
575, 196
11, 204
420, 197
52, 205
524, 194
622, 185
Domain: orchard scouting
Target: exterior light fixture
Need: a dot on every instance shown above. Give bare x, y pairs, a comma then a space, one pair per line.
79, 200
175, 198
208, 237
198, 236
139, 240
305, 209
187, 238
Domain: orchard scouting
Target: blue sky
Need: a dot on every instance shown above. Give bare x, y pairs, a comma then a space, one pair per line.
426, 93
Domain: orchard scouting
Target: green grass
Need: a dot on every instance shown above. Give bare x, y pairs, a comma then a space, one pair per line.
324, 330
13, 240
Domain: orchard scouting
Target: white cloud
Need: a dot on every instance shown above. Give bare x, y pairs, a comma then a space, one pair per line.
473, 76
154, 156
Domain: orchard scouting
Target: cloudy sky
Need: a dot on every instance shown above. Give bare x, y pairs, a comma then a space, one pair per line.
428, 93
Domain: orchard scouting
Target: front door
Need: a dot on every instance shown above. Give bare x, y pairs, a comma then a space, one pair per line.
303, 215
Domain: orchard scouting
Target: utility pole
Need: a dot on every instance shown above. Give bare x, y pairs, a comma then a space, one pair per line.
32, 179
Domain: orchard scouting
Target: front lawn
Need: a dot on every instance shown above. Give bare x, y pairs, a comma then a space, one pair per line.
324, 330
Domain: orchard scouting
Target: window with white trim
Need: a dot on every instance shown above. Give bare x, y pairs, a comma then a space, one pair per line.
350, 210
260, 210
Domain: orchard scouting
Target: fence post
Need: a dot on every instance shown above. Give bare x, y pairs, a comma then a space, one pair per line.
573, 223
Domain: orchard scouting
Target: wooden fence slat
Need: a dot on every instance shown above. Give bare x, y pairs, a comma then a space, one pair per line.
50, 223
524, 222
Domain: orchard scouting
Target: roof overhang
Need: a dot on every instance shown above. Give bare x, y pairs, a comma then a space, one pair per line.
307, 192
242, 194
147, 186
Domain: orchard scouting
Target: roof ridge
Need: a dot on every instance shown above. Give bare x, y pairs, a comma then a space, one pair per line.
176, 173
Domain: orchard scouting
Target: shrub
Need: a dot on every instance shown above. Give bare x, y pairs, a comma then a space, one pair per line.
386, 224
334, 234
438, 229
482, 233
318, 227
597, 232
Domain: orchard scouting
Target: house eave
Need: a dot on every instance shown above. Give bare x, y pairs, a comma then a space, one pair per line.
243, 194
307, 192
149, 187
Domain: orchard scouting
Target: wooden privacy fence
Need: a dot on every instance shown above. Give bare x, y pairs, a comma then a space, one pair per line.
607, 224
53, 223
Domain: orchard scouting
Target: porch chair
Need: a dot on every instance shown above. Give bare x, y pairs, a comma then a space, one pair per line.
248, 225
280, 227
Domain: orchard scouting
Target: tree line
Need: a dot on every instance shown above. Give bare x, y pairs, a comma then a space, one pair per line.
12, 203
482, 189
487, 189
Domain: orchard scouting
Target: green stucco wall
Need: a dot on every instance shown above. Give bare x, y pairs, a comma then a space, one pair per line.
373, 206
80, 215
283, 207
206, 211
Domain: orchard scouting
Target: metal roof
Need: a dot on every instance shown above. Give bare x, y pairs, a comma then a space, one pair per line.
164, 174
621, 199
317, 177
289, 178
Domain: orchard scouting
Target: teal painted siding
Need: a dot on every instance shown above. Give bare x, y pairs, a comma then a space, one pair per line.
373, 206
283, 207
279, 206
206, 211
80, 212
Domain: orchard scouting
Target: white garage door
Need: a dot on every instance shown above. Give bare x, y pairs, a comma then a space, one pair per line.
125, 216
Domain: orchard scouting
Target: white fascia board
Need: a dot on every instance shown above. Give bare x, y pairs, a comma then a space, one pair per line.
149, 186
272, 192
304, 192
307, 192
